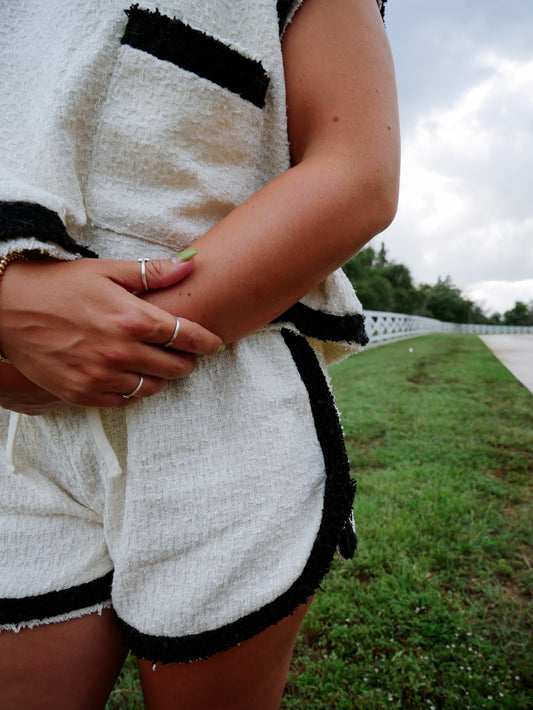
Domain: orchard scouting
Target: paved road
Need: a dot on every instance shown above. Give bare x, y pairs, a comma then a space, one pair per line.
516, 353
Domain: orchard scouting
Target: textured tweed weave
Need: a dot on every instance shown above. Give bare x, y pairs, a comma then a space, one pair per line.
118, 142
217, 525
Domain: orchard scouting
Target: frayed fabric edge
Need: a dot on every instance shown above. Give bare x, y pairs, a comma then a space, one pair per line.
68, 616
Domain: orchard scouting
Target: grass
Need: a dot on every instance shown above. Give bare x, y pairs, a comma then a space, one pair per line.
435, 609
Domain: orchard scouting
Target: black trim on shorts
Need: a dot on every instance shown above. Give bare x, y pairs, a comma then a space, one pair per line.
46, 606
326, 326
335, 531
29, 219
173, 41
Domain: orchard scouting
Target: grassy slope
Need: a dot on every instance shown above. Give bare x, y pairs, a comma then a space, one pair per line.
435, 610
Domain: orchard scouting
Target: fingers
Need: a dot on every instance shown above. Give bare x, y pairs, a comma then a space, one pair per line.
147, 274
191, 338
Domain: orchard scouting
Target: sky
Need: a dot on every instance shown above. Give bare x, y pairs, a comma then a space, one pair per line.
465, 83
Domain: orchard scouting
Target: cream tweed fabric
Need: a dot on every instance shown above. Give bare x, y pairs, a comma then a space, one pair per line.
209, 511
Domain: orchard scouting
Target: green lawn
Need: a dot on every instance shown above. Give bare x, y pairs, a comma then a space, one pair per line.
435, 609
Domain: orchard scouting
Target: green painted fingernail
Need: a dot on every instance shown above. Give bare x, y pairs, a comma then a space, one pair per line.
221, 348
187, 254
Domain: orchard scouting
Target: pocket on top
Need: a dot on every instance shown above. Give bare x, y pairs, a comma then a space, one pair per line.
178, 140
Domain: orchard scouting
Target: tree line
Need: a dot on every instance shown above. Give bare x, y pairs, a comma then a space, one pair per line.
384, 285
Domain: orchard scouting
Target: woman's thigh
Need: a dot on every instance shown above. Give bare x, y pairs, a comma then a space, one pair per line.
69, 665
250, 676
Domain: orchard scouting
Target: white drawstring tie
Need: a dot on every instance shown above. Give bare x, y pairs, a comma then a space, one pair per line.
102, 442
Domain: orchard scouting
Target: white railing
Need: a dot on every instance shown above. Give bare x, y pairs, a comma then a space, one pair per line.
383, 327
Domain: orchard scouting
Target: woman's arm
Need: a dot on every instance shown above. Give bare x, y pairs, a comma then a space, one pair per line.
342, 190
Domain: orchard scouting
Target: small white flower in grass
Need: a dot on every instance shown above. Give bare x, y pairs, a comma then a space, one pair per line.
489, 697
501, 695
390, 698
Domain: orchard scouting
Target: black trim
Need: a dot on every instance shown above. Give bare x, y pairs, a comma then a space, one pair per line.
29, 219
326, 326
45, 606
335, 530
173, 41
283, 7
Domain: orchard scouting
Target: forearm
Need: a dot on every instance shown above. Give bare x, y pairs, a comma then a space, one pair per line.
275, 247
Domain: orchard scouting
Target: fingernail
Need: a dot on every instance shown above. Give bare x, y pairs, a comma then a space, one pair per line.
186, 254
221, 348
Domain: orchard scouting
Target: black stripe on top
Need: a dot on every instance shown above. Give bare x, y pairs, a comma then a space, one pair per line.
207, 57
326, 326
335, 532
46, 606
29, 219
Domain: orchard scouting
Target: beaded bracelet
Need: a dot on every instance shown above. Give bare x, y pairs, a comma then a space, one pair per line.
4, 261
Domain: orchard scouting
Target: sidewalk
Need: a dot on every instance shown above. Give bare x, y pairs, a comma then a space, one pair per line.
516, 353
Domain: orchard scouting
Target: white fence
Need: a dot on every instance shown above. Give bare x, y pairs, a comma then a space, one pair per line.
383, 327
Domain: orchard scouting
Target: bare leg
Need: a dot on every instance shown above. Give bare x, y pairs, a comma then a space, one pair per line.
248, 677
70, 665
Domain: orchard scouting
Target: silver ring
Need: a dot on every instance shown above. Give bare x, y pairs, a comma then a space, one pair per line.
143, 273
132, 394
174, 334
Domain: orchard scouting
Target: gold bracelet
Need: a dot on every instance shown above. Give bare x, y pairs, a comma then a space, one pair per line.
4, 261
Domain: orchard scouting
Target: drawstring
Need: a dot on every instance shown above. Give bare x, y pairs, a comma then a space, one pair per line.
14, 421
97, 429
102, 442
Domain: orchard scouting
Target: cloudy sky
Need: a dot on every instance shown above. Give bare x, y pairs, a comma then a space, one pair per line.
465, 82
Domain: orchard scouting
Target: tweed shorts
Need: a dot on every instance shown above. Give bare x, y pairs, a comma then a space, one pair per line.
202, 515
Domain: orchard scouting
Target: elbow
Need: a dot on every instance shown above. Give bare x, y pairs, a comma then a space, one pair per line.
377, 193
382, 206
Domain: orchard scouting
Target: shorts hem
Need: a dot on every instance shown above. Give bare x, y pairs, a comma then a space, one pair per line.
68, 616
335, 533
60, 605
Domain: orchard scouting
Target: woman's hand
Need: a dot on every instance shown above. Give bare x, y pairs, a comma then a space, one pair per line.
77, 330
19, 394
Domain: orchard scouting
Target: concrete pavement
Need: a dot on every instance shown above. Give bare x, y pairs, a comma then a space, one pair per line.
516, 353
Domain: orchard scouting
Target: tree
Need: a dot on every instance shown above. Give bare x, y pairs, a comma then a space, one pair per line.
520, 314
382, 285
445, 302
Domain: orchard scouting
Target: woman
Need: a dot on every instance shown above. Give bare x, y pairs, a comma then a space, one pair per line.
186, 508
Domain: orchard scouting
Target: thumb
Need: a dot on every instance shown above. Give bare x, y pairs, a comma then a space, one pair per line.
158, 273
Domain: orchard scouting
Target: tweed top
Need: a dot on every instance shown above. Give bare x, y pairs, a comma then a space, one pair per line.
130, 131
